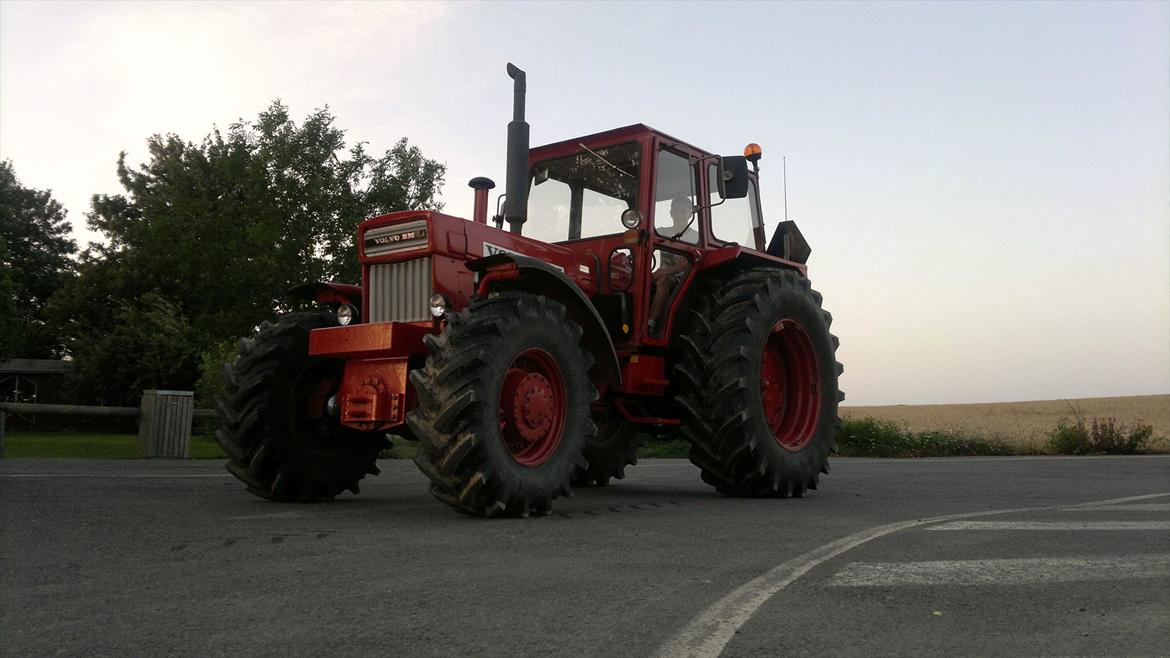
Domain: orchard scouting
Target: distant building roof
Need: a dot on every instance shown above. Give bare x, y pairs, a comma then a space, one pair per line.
36, 366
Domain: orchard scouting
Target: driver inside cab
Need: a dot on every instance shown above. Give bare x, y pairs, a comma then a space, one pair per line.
671, 267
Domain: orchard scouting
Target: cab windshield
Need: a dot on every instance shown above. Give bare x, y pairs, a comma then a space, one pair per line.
583, 195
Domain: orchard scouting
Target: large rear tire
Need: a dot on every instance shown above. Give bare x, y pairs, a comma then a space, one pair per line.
273, 423
758, 378
503, 406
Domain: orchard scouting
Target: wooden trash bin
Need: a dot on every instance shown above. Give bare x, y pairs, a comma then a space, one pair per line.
164, 426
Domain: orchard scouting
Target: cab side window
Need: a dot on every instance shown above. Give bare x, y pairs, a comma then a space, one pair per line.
674, 198
733, 220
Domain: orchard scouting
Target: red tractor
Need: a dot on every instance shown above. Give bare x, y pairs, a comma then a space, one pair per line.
644, 301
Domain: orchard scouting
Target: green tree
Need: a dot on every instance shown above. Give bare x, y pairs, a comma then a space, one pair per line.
149, 344
35, 251
9, 322
224, 228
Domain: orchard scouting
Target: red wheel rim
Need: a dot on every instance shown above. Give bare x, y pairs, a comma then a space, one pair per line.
532, 407
790, 385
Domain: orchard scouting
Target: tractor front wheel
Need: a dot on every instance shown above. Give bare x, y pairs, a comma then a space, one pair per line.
273, 420
503, 406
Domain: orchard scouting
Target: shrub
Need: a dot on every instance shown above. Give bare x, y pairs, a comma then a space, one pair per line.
1100, 436
1070, 437
869, 437
211, 364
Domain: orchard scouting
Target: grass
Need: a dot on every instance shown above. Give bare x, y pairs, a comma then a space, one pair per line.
83, 445
1087, 426
402, 449
667, 449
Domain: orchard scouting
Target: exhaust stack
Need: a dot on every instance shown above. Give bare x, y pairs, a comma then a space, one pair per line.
516, 187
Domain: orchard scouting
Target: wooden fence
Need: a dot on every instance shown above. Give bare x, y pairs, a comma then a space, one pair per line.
154, 434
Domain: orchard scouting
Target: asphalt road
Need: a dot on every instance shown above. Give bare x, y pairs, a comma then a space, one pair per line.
173, 557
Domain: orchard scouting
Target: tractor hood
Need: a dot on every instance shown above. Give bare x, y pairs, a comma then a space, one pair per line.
452, 242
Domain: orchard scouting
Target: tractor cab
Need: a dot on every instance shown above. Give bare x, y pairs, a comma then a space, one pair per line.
647, 207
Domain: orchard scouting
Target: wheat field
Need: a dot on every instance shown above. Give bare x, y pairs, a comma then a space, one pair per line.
1023, 423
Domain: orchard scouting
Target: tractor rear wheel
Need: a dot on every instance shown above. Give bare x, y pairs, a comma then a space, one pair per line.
758, 374
503, 406
273, 421
615, 447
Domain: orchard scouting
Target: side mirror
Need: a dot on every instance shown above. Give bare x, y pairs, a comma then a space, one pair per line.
733, 177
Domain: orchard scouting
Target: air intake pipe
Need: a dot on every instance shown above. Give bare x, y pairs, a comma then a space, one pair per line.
481, 186
516, 187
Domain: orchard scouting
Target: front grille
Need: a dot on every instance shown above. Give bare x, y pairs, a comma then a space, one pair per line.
400, 292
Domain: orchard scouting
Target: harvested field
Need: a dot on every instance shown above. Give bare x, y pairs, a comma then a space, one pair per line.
1023, 423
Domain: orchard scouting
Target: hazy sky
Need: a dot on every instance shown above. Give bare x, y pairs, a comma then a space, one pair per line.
986, 186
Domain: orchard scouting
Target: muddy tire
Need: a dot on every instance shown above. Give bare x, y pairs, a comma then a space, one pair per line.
503, 406
273, 424
758, 375
609, 453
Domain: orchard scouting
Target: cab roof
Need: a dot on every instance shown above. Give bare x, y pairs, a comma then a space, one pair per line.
615, 135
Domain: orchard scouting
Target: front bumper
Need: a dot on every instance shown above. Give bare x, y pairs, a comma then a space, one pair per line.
374, 394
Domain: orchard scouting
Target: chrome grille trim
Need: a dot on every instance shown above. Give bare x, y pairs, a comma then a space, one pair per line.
419, 242
400, 292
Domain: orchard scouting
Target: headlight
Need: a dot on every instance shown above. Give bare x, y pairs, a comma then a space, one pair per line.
631, 218
438, 305
346, 314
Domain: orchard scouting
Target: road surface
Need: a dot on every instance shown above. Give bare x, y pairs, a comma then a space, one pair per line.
991, 556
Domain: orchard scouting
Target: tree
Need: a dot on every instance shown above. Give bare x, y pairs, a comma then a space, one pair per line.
35, 251
148, 345
10, 332
224, 228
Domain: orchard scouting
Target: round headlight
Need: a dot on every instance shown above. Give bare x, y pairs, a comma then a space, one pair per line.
346, 314
438, 305
631, 218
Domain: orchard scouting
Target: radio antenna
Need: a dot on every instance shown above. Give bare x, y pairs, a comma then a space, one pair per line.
784, 164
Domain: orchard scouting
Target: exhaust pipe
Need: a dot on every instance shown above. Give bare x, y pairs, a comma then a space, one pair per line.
516, 187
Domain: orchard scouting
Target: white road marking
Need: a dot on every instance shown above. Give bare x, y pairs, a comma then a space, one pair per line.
277, 515
1147, 507
1053, 525
1027, 571
675, 461
706, 635
127, 476
959, 460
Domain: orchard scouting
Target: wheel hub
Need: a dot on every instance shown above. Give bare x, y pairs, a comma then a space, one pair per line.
789, 385
532, 407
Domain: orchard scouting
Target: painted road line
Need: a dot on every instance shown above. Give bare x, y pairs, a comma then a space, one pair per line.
706, 635
1147, 507
126, 476
1053, 525
1117, 501
1029, 571
673, 462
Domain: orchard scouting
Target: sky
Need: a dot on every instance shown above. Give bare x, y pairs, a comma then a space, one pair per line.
985, 186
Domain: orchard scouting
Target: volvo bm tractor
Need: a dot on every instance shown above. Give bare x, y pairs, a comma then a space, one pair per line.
633, 294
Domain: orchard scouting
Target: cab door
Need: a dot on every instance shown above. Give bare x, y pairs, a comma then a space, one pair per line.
676, 237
